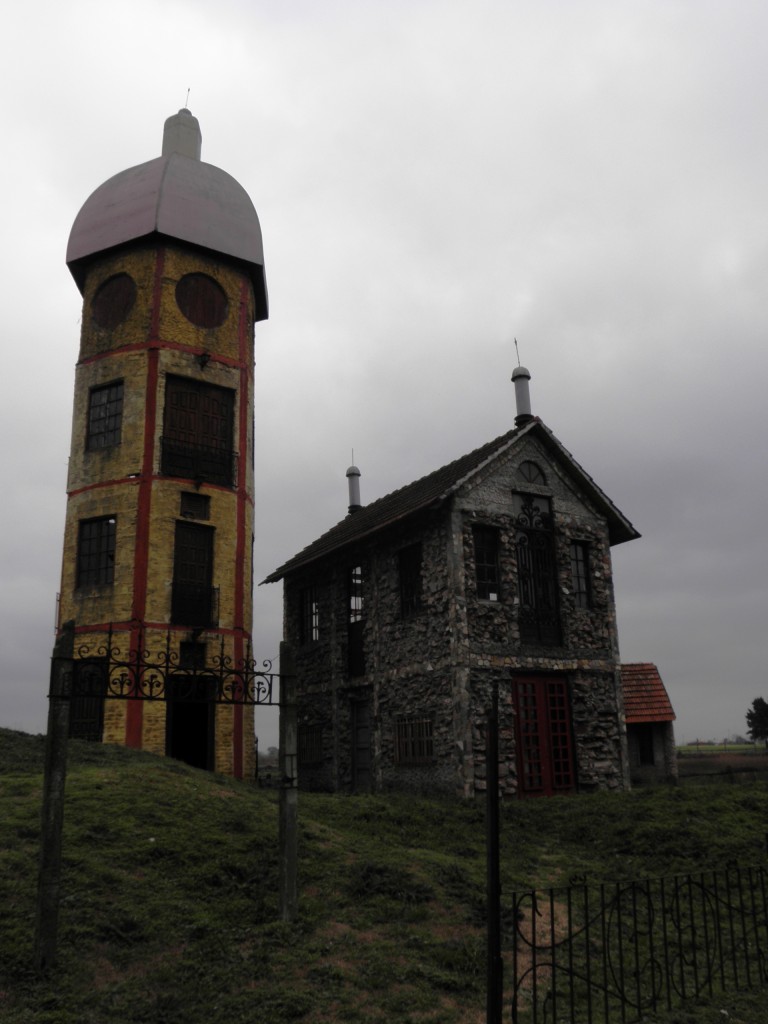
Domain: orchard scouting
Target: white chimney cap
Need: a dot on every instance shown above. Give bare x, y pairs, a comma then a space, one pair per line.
353, 475
520, 378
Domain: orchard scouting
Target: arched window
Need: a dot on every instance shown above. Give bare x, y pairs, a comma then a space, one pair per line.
531, 472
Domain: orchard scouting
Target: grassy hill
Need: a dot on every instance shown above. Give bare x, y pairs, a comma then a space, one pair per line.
170, 891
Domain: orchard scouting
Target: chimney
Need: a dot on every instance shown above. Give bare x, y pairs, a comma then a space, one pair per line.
520, 378
181, 134
353, 475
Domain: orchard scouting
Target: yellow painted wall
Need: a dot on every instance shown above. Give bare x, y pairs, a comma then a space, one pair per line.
106, 482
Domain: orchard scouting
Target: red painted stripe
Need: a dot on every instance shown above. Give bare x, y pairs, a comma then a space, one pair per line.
154, 627
134, 711
165, 346
241, 549
117, 482
122, 481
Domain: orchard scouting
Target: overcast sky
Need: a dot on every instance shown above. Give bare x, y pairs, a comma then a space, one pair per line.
433, 178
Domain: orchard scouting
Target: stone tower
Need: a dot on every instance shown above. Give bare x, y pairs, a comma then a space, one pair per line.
159, 528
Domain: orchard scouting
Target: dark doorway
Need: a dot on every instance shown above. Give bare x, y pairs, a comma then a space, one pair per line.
544, 745
362, 775
86, 708
190, 719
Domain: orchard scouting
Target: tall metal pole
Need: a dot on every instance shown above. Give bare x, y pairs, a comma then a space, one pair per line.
56, 740
289, 792
495, 991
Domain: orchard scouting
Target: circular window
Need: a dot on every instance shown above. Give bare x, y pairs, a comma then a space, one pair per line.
113, 301
202, 301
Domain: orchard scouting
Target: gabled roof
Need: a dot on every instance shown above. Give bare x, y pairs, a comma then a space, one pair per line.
645, 697
431, 490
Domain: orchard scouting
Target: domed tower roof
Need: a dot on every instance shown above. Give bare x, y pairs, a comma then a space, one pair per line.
175, 196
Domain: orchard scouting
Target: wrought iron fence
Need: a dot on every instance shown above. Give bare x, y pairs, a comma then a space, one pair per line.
106, 670
604, 953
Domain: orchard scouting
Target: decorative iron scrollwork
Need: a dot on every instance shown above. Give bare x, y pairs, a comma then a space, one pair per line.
106, 670
605, 952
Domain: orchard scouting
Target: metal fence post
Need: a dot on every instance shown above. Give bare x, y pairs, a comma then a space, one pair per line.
495, 964
289, 781
56, 740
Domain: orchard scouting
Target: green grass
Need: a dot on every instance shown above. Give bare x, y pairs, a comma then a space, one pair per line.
169, 909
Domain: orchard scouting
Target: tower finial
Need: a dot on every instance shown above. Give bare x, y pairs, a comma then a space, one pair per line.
186, 101
517, 352
181, 134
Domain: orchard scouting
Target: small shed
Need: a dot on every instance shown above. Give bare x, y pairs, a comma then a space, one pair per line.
649, 716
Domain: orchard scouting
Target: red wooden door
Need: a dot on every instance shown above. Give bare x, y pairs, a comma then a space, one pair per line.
543, 732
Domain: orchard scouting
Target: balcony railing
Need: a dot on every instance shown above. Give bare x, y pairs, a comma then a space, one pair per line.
198, 462
194, 605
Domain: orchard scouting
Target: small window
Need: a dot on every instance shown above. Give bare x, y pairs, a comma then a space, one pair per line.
195, 506
580, 574
413, 741
356, 594
486, 540
113, 301
309, 745
202, 300
356, 625
409, 564
105, 416
309, 626
531, 472
96, 552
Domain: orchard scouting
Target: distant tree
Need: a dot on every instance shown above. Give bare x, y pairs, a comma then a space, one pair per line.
757, 720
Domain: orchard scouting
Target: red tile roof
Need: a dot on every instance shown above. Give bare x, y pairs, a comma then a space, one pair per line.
645, 697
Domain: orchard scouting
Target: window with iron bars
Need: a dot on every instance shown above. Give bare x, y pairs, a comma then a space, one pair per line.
96, 552
356, 623
309, 615
582, 594
198, 425
413, 741
105, 416
537, 589
486, 540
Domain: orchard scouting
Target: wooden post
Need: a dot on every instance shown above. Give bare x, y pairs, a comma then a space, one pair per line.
56, 740
289, 781
495, 976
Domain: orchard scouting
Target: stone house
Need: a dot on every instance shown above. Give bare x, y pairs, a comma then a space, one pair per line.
493, 571
649, 716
